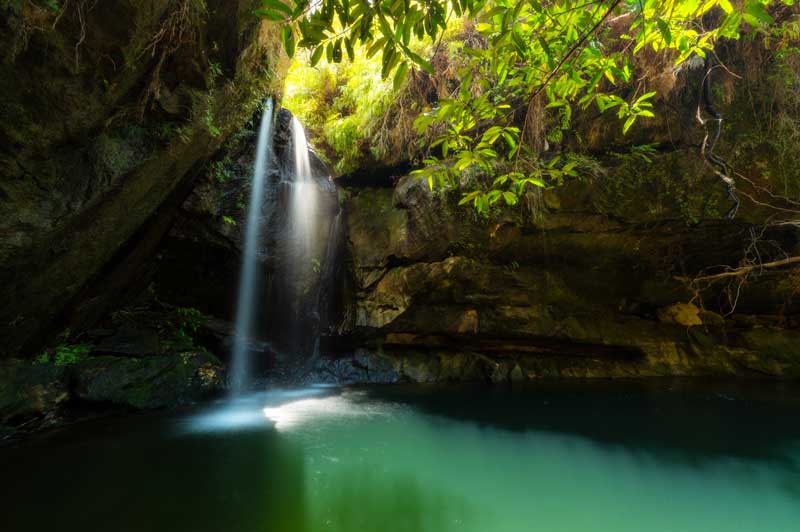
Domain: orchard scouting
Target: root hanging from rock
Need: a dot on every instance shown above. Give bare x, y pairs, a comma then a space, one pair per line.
81, 8
713, 130
177, 29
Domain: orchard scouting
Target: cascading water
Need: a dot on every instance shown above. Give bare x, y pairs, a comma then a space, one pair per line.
300, 228
245, 311
304, 257
327, 285
302, 216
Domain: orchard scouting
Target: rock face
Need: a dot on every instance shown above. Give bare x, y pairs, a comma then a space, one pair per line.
593, 278
141, 358
147, 382
443, 294
108, 108
28, 390
32, 391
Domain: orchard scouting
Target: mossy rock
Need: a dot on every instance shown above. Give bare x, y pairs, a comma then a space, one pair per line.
148, 382
81, 186
28, 389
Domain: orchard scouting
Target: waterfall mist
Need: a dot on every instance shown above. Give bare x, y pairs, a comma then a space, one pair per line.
244, 331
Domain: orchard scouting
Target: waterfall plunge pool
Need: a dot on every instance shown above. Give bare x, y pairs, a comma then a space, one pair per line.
551, 457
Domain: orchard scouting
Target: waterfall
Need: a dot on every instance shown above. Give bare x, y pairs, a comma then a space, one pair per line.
303, 211
303, 260
327, 280
244, 332
296, 218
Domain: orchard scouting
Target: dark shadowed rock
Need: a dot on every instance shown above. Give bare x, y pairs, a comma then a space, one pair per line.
92, 163
130, 341
28, 390
148, 382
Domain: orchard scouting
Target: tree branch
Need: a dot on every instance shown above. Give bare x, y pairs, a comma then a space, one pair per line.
744, 270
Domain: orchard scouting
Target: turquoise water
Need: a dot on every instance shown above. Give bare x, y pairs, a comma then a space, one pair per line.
611, 457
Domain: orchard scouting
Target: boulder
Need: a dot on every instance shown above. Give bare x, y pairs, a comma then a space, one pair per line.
29, 389
148, 382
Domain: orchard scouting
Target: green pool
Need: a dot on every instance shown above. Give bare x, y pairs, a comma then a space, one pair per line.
665, 456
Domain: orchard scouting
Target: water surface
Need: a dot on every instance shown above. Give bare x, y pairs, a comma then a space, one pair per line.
552, 457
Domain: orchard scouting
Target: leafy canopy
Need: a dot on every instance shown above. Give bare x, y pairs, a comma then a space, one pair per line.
555, 53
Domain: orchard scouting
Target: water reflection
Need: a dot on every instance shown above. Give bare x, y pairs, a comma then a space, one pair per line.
147, 481
424, 460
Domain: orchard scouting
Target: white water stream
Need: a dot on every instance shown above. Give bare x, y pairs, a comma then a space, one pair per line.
240, 361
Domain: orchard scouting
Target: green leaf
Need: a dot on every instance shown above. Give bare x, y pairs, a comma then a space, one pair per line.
535, 181
277, 6
287, 36
377, 45
426, 66
644, 97
400, 76
512, 143
384, 25
337, 51
663, 28
754, 13
729, 27
316, 55
628, 123
469, 196
270, 15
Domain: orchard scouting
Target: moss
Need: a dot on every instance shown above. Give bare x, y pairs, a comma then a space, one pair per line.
778, 344
28, 389
148, 382
118, 151
668, 186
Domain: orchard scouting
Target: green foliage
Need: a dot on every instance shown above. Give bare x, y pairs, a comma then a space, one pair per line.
643, 185
350, 111
510, 186
65, 353
643, 152
181, 333
208, 121
340, 105
767, 151
184, 133
562, 54
214, 71
190, 319
221, 171
228, 220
